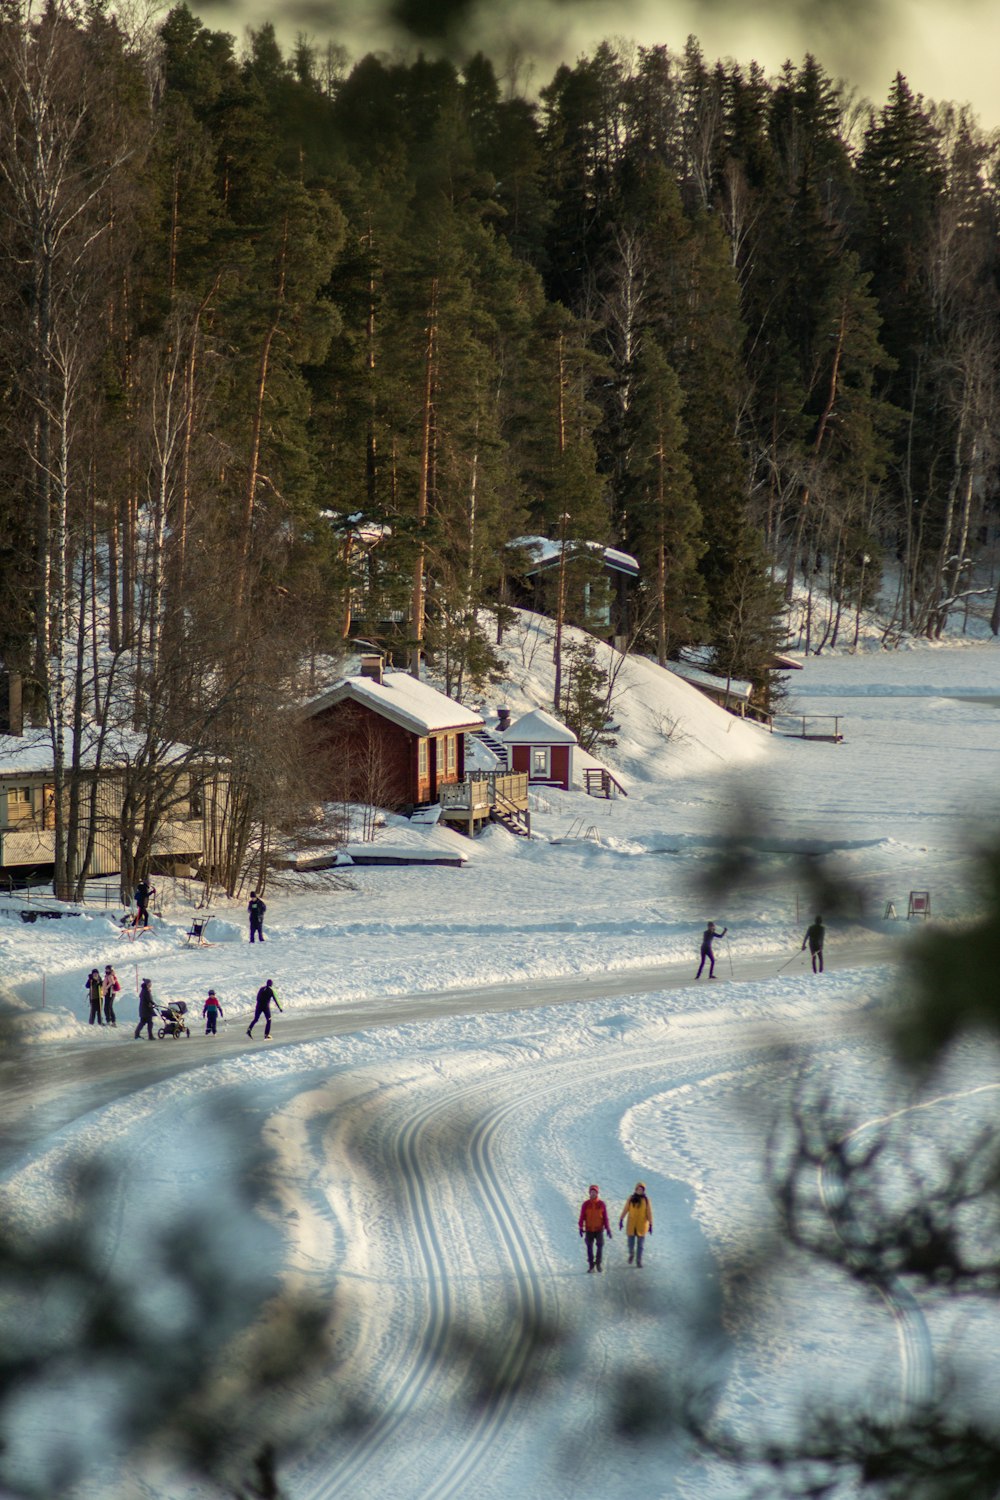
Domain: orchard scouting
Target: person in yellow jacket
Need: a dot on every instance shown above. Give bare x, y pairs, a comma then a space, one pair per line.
637, 1219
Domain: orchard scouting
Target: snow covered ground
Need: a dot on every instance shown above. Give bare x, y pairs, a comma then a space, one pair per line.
428, 1168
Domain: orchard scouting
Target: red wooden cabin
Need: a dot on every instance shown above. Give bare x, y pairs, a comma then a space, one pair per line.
387, 739
543, 747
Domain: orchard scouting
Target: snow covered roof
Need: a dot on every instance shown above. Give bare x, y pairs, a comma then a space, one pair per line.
358, 526
538, 728
545, 552
404, 700
30, 753
709, 681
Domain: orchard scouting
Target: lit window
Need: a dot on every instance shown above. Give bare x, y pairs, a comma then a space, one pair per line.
422, 757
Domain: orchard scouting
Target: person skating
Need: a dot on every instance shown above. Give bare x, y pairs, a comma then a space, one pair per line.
265, 995
95, 994
815, 934
110, 988
212, 1010
256, 910
707, 951
593, 1225
637, 1218
147, 1009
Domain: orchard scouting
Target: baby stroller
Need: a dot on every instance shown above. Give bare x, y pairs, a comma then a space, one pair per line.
172, 1016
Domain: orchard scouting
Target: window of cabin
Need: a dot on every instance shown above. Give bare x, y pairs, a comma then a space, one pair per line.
452, 754
421, 758
19, 804
539, 761
597, 605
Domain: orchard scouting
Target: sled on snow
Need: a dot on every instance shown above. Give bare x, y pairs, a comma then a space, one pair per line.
196, 933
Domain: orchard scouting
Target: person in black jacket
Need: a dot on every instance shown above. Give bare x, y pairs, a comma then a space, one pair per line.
815, 933
95, 994
144, 892
264, 997
707, 951
256, 909
147, 1009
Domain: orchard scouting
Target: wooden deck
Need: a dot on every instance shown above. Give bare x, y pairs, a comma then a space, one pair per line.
488, 797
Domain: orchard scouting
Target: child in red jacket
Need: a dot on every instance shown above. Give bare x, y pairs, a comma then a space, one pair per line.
212, 1010
593, 1224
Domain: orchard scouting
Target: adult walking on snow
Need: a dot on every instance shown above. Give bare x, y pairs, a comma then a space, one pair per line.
707, 951
815, 933
256, 910
147, 1009
637, 1218
95, 994
212, 1010
265, 995
593, 1225
110, 988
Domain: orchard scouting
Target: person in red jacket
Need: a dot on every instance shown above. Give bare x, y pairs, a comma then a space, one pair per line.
212, 1010
593, 1224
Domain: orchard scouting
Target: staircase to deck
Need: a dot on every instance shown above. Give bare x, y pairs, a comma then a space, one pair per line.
491, 741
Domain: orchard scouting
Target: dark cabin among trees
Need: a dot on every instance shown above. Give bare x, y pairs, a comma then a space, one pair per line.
386, 739
594, 581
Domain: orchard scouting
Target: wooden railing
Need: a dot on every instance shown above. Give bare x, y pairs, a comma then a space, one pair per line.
485, 790
809, 727
599, 782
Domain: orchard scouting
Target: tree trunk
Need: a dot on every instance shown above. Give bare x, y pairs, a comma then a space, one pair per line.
423, 488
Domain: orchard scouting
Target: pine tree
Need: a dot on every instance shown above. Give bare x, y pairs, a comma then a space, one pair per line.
665, 520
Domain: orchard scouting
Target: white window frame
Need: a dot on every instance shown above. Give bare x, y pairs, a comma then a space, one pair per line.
541, 763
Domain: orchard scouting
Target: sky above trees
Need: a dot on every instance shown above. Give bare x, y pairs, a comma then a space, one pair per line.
945, 51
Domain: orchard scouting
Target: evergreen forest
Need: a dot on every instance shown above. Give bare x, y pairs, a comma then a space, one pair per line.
297, 348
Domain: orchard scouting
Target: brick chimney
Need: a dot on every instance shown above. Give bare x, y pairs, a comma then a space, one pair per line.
371, 666
11, 707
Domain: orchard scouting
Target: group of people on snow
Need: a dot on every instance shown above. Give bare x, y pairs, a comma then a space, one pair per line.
636, 1218
102, 992
814, 939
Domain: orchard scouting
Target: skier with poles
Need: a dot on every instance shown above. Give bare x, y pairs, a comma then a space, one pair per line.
815, 934
707, 939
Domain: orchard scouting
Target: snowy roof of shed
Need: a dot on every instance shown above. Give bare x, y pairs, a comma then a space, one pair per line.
545, 551
404, 700
538, 728
710, 681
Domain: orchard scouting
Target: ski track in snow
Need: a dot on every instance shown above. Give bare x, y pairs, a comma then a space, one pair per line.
420, 1383
455, 1133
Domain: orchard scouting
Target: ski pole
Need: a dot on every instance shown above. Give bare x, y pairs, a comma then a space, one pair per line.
729, 950
791, 960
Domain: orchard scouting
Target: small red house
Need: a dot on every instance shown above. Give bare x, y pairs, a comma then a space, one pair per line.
386, 738
543, 747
